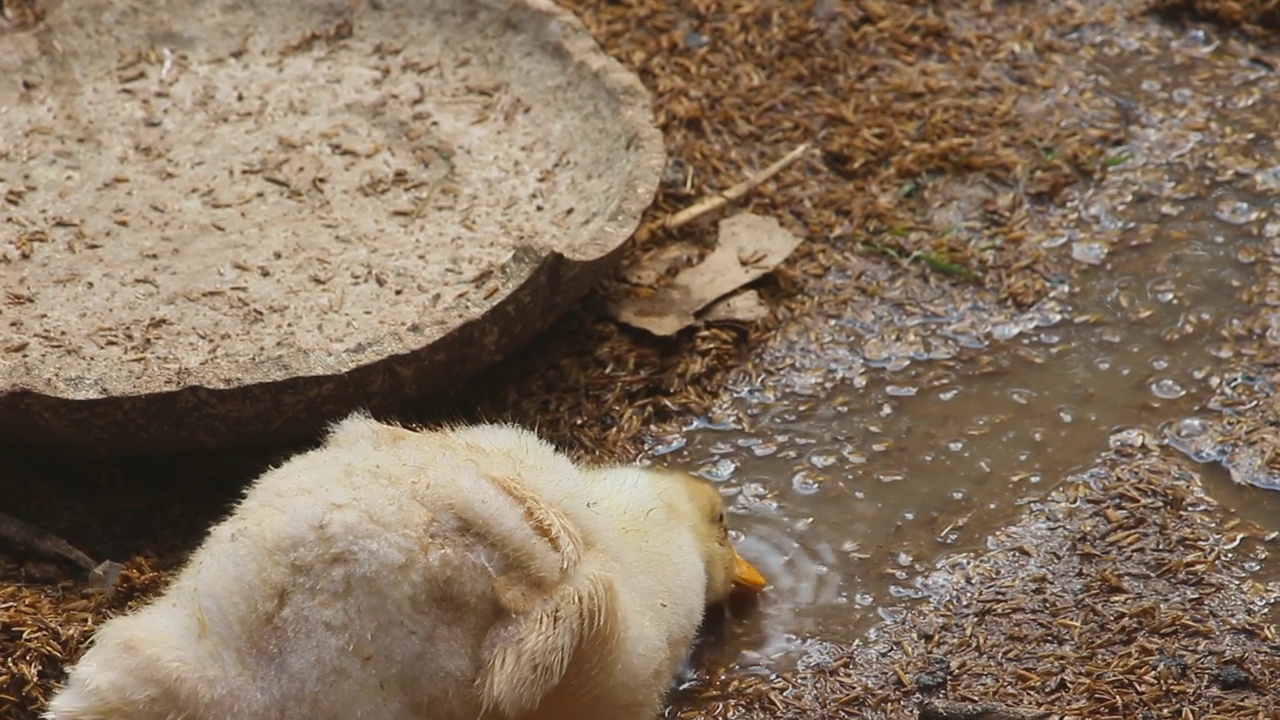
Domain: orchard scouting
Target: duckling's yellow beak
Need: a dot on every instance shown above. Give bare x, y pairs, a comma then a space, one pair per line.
745, 575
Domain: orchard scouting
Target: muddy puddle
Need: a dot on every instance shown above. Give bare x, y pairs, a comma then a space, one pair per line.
847, 493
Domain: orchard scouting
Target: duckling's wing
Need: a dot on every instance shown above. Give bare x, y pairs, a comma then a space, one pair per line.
531, 656
558, 608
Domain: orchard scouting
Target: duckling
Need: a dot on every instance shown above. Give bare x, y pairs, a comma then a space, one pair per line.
462, 574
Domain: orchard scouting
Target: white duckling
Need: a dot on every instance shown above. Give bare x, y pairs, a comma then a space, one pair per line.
471, 573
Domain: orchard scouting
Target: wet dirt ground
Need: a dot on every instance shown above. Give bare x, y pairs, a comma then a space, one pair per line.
847, 496
1050, 489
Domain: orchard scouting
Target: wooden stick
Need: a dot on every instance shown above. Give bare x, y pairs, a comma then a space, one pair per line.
711, 203
27, 537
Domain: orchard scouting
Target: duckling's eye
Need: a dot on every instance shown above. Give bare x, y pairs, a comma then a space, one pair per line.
720, 518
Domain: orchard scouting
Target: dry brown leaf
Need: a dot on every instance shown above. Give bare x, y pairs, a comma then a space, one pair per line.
651, 268
744, 307
749, 247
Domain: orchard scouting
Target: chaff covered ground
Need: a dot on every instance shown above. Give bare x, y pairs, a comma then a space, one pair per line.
1116, 597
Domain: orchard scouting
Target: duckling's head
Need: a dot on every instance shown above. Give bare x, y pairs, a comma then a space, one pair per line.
703, 508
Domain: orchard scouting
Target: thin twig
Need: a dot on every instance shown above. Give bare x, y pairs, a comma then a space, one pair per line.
711, 203
27, 537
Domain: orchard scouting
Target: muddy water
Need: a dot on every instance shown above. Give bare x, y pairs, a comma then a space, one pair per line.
846, 496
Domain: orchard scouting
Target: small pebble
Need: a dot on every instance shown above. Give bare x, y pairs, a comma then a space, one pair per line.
1233, 677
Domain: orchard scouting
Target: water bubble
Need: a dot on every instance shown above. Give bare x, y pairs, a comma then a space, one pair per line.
1089, 252
1048, 314
817, 654
1150, 85
1188, 428
822, 460
666, 445
875, 352
955, 445
941, 349
1006, 331
897, 363
864, 599
764, 449
1268, 179
1195, 37
900, 390
1065, 414
806, 483
1129, 437
900, 591
1167, 389
1160, 363
1182, 95
1021, 396
948, 394
721, 448
1235, 212
854, 457
711, 423
890, 477
696, 40
718, 471
756, 496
